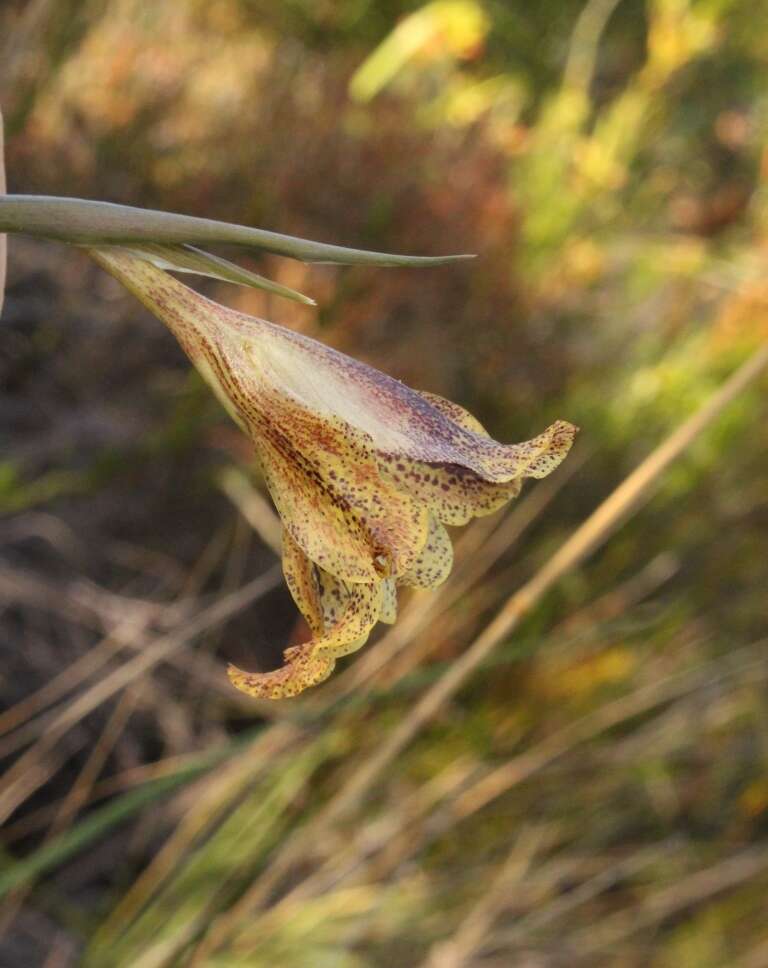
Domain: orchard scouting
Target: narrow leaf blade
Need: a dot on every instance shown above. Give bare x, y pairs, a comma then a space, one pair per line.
187, 258
94, 223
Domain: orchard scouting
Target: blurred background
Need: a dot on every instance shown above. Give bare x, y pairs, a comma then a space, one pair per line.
596, 792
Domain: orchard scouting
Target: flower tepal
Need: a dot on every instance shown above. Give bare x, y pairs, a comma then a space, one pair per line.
364, 471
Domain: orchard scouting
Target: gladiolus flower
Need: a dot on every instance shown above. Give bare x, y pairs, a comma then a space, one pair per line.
364, 471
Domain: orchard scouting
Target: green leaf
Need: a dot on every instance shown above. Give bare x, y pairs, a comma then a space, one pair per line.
93, 223
186, 258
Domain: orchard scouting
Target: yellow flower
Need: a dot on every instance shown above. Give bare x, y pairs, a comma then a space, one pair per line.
364, 471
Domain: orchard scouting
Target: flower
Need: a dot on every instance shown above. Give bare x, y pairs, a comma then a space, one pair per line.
364, 471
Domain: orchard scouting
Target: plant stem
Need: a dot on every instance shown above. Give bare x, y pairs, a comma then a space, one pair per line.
85, 222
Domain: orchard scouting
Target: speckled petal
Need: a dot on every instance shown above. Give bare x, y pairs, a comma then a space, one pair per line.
313, 515
254, 364
455, 493
302, 581
539, 456
452, 493
254, 356
435, 561
399, 420
334, 598
322, 473
388, 601
326, 484
362, 611
455, 412
323, 599
309, 664
304, 671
